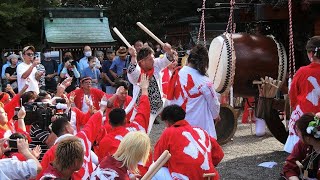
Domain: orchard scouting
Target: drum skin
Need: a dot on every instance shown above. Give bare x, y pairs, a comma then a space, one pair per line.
254, 56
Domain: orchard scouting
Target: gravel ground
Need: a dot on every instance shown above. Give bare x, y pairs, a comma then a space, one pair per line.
244, 153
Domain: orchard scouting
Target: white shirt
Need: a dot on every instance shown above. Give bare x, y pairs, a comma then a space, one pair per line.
33, 83
85, 107
12, 168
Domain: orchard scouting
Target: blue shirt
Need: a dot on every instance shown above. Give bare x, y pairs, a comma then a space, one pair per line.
4, 67
105, 68
93, 73
118, 65
83, 63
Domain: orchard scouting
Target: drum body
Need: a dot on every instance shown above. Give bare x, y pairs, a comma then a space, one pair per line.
239, 61
227, 126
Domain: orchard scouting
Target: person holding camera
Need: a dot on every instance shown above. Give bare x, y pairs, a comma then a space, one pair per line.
13, 150
12, 168
70, 70
7, 125
27, 72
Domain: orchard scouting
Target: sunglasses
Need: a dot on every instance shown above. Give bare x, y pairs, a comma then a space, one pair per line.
30, 54
87, 82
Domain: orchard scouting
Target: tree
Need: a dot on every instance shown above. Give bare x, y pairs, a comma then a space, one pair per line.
20, 22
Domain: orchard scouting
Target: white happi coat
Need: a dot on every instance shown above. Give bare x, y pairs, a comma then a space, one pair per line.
198, 98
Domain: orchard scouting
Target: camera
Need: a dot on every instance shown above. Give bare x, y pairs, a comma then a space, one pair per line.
72, 63
39, 112
61, 100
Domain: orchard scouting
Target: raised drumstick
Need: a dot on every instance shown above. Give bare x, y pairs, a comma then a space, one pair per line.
145, 29
121, 36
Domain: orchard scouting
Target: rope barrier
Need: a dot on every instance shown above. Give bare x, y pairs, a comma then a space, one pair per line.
202, 24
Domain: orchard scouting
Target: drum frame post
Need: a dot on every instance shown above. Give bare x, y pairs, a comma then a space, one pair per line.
250, 120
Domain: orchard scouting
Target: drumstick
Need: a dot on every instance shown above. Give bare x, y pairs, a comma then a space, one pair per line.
145, 29
154, 168
121, 36
298, 163
209, 175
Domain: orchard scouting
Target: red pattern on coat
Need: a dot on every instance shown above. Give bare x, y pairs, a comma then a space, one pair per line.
96, 96
88, 134
111, 141
301, 87
173, 140
113, 170
81, 118
165, 81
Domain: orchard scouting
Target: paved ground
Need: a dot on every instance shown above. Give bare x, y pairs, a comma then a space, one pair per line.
244, 153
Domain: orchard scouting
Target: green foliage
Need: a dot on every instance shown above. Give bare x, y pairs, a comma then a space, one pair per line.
21, 20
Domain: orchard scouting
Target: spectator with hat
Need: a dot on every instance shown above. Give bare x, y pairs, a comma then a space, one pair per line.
11, 72
27, 71
118, 69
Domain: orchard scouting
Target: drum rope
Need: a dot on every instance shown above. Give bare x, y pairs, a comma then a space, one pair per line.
202, 25
215, 73
231, 27
282, 61
292, 69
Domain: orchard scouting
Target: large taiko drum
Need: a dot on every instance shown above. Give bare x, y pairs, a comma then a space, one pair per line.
245, 58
